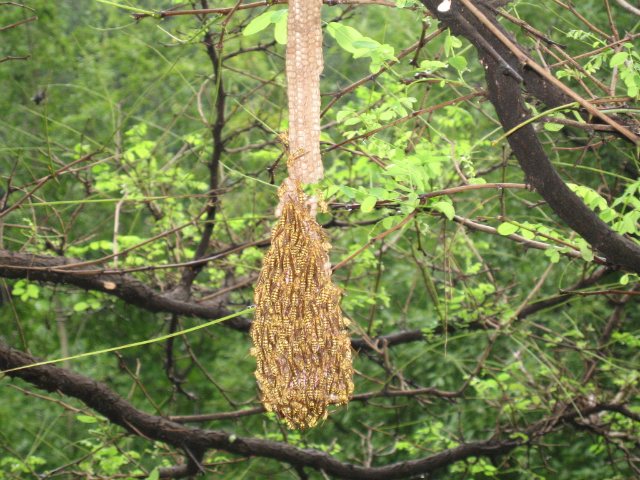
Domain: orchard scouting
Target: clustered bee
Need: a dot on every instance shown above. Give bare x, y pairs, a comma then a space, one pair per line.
302, 350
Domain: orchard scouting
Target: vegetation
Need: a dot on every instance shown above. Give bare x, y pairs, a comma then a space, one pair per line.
482, 181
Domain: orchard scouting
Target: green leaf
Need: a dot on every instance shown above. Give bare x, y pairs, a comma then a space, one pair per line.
528, 234
586, 253
331, 191
431, 65
280, 32
391, 221
446, 208
366, 42
379, 192
618, 59
553, 255
19, 288
81, 306
258, 24
368, 204
344, 35
507, 228
279, 15
608, 215
459, 63
553, 127
451, 43
454, 41
348, 191
86, 419
344, 113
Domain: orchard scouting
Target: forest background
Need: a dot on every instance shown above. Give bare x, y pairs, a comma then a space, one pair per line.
491, 280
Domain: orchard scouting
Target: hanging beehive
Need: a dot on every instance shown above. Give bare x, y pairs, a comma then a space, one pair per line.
302, 351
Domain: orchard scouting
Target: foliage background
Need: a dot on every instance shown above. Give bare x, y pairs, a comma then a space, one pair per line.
463, 332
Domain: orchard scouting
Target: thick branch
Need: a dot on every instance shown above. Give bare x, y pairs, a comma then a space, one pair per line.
43, 268
106, 402
627, 6
505, 93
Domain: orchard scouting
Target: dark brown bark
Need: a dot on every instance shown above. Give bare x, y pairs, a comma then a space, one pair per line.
104, 401
195, 441
504, 73
45, 268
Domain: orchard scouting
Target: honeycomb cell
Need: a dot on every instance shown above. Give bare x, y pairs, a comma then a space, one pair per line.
304, 66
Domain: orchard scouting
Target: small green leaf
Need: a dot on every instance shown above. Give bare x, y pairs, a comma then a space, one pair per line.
459, 63
154, 475
507, 228
368, 204
445, 208
133, 9
86, 419
431, 65
553, 127
586, 253
279, 15
81, 306
331, 191
258, 24
412, 199
379, 192
344, 35
19, 288
280, 32
375, 67
344, 113
519, 436
454, 42
608, 215
528, 234
553, 255
618, 59
366, 42
348, 191
391, 221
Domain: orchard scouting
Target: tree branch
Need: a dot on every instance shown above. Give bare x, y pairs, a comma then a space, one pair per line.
505, 93
195, 441
628, 7
106, 402
127, 288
